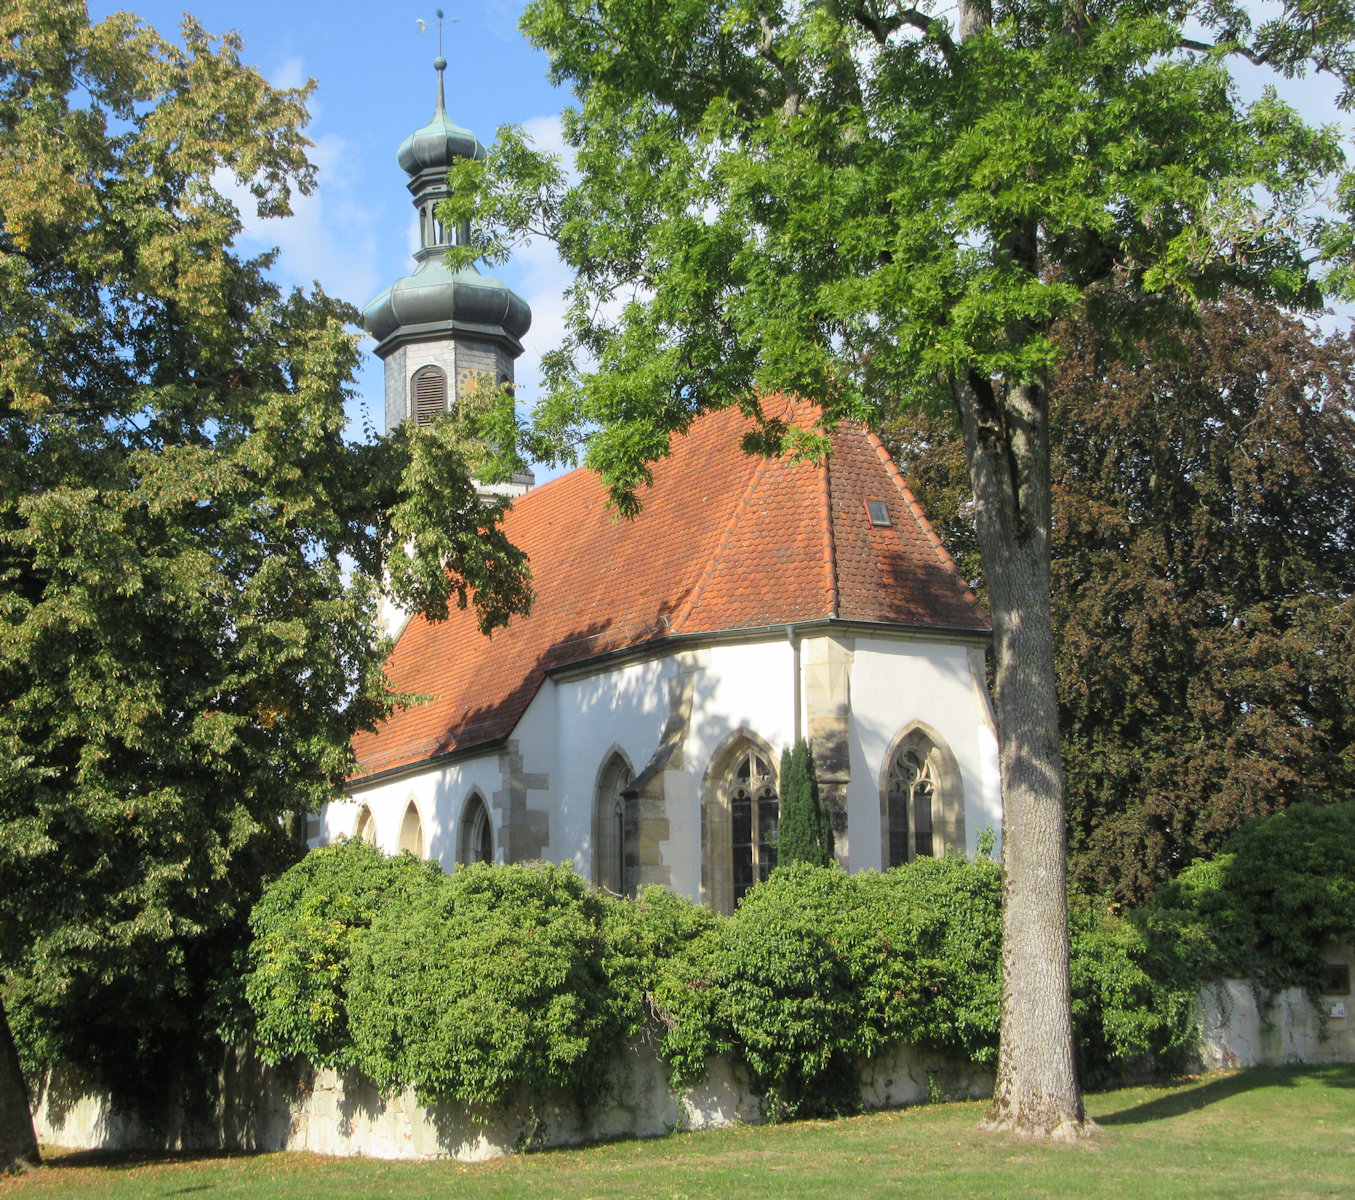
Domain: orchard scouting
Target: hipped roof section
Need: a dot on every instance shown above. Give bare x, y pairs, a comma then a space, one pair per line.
724, 542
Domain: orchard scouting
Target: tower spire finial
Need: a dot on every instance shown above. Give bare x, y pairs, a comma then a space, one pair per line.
440, 63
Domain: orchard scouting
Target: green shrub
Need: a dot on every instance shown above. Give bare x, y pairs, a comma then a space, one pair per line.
804, 826
1284, 886
498, 979
938, 980
678, 940
1127, 1009
788, 973
305, 927
820, 969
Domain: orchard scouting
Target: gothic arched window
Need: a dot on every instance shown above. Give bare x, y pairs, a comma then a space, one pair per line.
923, 800
428, 391
475, 843
753, 811
911, 793
365, 829
411, 832
609, 826
739, 813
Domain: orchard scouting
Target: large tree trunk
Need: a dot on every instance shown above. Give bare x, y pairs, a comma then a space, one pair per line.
1007, 443
18, 1141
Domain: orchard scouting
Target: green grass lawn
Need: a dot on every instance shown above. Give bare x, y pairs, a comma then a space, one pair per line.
1271, 1133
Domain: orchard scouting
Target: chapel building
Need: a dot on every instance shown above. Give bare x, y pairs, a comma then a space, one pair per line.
633, 723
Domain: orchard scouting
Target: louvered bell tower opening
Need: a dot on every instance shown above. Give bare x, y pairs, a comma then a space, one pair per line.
439, 328
429, 391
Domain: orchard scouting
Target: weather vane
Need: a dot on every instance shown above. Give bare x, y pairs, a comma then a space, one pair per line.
424, 25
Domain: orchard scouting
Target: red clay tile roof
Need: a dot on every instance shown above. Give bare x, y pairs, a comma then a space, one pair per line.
724, 541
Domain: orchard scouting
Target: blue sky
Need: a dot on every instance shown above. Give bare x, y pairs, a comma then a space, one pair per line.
375, 84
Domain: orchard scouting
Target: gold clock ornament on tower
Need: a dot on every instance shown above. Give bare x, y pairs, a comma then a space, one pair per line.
466, 381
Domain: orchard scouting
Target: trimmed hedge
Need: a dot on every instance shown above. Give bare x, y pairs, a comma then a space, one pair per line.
496, 980
305, 927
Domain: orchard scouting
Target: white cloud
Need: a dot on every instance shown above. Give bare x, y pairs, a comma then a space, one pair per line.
291, 73
548, 134
329, 238
539, 276
329, 235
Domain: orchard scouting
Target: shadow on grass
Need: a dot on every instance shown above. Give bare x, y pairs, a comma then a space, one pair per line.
54, 1159
1191, 1098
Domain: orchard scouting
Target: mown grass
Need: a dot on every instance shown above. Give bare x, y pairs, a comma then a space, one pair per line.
1271, 1133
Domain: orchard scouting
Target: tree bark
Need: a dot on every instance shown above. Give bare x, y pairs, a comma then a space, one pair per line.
18, 1141
1007, 443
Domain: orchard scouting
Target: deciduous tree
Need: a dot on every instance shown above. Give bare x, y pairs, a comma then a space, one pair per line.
189, 550
871, 204
1204, 575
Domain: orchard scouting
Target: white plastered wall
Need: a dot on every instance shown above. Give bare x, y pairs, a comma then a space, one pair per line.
623, 709
895, 683
572, 726
440, 794
742, 686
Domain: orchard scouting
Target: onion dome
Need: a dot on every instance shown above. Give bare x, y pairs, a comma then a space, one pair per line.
433, 147
435, 300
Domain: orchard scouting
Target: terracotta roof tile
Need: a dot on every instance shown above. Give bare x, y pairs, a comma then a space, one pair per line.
724, 541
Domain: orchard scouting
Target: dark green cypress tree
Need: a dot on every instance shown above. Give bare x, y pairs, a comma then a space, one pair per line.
804, 828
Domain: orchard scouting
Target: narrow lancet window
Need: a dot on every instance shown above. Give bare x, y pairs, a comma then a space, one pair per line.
753, 808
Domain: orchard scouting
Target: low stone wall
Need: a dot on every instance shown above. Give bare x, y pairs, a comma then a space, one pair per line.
262, 1108
1237, 1030
1241, 1028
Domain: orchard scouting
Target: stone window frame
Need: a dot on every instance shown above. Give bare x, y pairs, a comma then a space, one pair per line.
717, 846
364, 825
412, 840
609, 821
475, 821
948, 799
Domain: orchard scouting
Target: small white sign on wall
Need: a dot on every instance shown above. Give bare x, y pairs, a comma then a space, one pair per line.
1338, 1008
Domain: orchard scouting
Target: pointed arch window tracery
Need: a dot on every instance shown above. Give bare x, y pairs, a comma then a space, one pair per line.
754, 809
911, 796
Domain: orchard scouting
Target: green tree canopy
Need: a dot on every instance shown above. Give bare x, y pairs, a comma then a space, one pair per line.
874, 205
189, 550
1204, 581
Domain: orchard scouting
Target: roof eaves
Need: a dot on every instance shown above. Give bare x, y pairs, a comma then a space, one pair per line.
355, 783
674, 644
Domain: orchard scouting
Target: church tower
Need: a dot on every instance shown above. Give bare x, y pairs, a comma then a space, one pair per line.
438, 330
